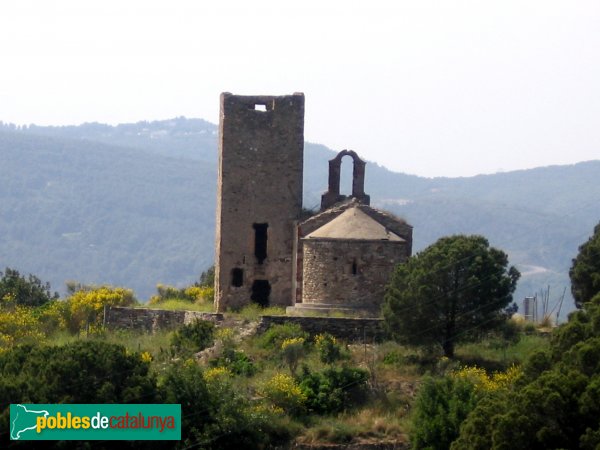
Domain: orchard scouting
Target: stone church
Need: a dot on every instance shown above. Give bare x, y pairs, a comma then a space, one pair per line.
267, 252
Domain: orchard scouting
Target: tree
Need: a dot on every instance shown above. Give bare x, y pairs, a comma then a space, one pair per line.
15, 289
207, 278
449, 292
585, 270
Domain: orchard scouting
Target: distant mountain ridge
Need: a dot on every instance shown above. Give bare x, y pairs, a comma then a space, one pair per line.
134, 205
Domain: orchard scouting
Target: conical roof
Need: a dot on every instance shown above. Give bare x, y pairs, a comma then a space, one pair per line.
354, 224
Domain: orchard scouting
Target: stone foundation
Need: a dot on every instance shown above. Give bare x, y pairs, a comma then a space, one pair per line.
348, 329
152, 320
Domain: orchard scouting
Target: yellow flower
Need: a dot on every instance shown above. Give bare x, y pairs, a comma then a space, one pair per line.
146, 357
321, 339
295, 342
217, 373
482, 381
283, 392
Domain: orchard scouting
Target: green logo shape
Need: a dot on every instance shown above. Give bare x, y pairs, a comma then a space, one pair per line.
86, 422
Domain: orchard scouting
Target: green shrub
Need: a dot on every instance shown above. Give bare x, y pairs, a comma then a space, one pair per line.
184, 384
192, 338
276, 334
292, 350
81, 372
440, 408
283, 392
556, 402
237, 362
393, 357
334, 389
217, 416
329, 349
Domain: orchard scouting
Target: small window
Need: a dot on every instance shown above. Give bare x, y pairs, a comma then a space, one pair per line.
260, 241
237, 277
354, 268
260, 107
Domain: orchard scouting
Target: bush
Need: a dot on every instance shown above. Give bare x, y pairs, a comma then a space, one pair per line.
215, 415
276, 334
237, 362
85, 308
192, 338
19, 326
193, 294
334, 389
555, 404
185, 384
283, 392
81, 372
329, 349
440, 408
292, 350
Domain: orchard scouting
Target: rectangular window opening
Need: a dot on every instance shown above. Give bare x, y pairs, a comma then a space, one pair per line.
237, 277
260, 107
260, 241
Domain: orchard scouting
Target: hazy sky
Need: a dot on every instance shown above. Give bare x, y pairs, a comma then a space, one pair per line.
452, 88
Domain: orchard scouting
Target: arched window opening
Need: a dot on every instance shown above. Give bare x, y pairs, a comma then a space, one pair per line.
346, 175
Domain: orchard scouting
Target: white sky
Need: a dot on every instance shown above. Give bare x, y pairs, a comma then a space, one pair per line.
434, 88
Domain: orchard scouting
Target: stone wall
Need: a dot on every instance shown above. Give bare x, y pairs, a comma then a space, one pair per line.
349, 272
261, 145
152, 320
352, 330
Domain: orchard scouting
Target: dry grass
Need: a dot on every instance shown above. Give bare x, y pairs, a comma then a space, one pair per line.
178, 304
367, 424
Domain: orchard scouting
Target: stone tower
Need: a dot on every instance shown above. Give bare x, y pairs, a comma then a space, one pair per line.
259, 198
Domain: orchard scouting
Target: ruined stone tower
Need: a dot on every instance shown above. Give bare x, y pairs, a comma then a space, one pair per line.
259, 198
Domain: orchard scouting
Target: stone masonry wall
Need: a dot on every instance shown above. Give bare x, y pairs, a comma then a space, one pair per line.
349, 272
352, 330
261, 145
152, 320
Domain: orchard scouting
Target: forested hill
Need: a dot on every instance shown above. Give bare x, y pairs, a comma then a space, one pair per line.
134, 205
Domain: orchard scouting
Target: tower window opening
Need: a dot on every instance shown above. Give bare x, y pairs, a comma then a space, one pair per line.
260, 107
237, 277
354, 268
260, 241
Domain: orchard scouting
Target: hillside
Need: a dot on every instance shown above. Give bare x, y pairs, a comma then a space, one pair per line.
134, 205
